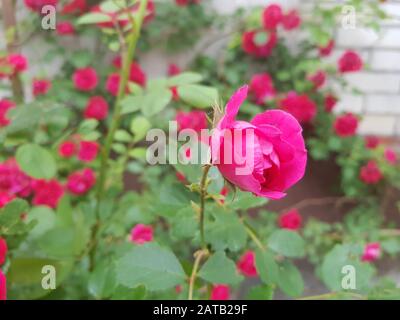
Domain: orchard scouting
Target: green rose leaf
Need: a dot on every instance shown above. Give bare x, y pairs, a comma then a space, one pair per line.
139, 127
36, 161
184, 78
220, 269
340, 262
94, 17
198, 96
287, 243
266, 267
155, 101
290, 279
150, 265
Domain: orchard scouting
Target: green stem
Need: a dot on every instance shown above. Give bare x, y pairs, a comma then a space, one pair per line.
253, 235
203, 194
198, 256
128, 55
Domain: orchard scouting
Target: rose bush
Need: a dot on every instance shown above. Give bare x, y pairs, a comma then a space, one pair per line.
77, 193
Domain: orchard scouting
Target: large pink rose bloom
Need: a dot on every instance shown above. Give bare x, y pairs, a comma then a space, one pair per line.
276, 155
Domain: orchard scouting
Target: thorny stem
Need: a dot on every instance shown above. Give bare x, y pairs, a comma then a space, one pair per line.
198, 256
128, 55
203, 194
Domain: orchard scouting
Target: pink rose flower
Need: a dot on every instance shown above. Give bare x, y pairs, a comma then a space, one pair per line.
173, 70
13, 182
326, 50
250, 46
3, 251
371, 142
220, 292
195, 120
246, 264
96, 108
272, 16
137, 75
262, 88
291, 20
85, 79
290, 220
5, 198
65, 28
74, 6
47, 193
80, 182
330, 101
390, 156
112, 83
272, 161
318, 79
346, 125
40, 86
350, 61
141, 233
18, 62
370, 173
299, 106
372, 252
67, 149
36, 5
5, 105
3, 286
88, 151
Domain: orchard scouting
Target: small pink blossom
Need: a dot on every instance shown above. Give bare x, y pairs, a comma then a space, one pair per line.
141, 233
246, 264
3, 251
262, 88
290, 220
220, 292
370, 173
47, 193
88, 151
390, 156
40, 86
3, 286
80, 182
372, 252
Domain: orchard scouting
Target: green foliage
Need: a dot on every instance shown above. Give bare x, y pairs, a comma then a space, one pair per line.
36, 161
150, 265
287, 243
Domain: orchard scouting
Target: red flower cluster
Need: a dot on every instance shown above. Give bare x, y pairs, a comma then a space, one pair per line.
5, 105
13, 182
96, 108
290, 220
47, 192
318, 79
259, 43
87, 150
80, 182
195, 120
85, 79
12, 65
65, 28
350, 61
346, 125
246, 264
136, 75
299, 106
220, 292
141, 234
370, 173
330, 102
40, 86
37, 5
262, 88
74, 6
372, 252
326, 50
273, 16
